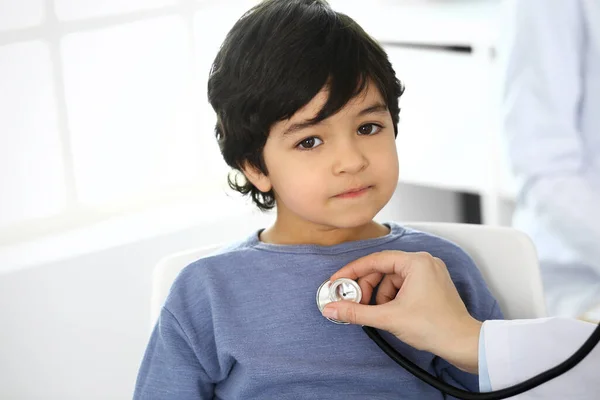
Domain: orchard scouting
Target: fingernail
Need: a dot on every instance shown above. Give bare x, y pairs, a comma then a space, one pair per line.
330, 312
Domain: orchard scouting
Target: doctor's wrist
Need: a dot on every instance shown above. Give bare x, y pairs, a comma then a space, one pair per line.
461, 345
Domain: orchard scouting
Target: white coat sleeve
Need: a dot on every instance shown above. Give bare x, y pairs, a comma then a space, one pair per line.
520, 349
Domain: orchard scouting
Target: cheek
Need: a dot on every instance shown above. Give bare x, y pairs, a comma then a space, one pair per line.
384, 161
294, 178
298, 183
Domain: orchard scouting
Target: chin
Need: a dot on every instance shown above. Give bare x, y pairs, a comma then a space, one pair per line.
351, 220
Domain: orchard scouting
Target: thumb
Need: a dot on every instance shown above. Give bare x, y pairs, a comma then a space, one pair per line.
355, 313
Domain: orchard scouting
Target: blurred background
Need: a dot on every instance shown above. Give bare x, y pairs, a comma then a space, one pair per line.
108, 163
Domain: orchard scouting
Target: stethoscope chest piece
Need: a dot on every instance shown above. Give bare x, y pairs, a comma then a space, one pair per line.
340, 289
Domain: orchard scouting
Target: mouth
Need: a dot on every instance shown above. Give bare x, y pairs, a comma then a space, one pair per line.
356, 192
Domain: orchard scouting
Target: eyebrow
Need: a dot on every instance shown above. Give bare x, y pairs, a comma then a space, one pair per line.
377, 108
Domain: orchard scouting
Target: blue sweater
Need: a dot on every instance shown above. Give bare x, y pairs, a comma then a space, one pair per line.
243, 324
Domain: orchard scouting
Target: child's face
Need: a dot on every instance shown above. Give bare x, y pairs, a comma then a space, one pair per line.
312, 168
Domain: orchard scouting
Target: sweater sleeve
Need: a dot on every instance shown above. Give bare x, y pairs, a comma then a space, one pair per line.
170, 368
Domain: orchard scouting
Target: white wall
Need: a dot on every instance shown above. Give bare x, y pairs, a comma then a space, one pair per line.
77, 328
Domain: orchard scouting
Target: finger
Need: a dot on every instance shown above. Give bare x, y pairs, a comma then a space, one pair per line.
367, 285
387, 290
441, 268
360, 314
386, 262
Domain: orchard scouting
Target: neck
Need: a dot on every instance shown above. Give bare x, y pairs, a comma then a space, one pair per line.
306, 232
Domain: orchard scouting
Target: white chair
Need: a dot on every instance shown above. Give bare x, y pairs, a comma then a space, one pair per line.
506, 258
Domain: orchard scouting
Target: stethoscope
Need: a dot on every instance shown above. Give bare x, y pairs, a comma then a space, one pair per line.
348, 289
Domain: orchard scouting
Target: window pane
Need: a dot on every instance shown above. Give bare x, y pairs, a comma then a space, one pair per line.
77, 9
31, 168
20, 14
129, 92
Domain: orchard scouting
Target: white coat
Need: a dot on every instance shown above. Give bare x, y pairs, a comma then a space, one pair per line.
520, 349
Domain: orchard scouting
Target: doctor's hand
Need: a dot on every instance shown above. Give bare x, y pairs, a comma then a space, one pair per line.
416, 301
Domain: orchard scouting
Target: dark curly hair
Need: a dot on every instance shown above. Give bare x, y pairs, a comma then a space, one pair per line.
276, 58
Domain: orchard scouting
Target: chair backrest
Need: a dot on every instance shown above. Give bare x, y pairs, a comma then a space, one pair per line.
506, 258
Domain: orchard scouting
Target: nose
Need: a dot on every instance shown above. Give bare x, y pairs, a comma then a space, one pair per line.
350, 158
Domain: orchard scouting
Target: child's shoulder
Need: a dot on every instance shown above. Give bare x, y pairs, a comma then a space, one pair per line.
223, 254
211, 265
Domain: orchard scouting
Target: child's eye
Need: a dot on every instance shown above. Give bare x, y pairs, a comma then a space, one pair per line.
309, 143
369, 129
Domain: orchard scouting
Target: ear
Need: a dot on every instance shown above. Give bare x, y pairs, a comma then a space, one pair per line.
257, 178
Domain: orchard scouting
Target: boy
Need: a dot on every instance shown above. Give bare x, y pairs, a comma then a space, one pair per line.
307, 107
